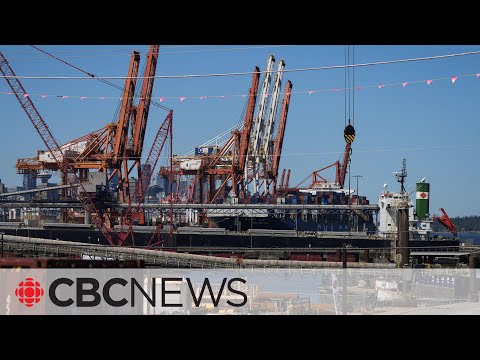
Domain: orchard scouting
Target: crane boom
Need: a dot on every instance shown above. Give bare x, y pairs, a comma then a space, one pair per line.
153, 156
259, 125
277, 151
126, 108
270, 125
53, 146
139, 121
145, 99
447, 222
247, 127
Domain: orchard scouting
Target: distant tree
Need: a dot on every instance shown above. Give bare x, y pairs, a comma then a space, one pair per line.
463, 223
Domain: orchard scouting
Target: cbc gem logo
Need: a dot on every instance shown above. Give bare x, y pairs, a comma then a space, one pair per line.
29, 292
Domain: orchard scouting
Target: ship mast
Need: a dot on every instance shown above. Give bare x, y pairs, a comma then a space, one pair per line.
402, 175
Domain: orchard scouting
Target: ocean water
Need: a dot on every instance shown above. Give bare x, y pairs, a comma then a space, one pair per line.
473, 237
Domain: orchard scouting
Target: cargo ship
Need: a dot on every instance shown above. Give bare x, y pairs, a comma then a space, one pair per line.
328, 218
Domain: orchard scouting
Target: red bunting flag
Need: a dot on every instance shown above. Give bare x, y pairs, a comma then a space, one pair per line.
381, 86
182, 98
454, 78
161, 99
429, 82
26, 95
311, 92
405, 84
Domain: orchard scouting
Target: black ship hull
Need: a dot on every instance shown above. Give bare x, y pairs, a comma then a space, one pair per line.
336, 223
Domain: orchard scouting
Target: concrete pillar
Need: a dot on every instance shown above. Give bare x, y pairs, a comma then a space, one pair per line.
366, 255
473, 291
338, 255
88, 219
403, 236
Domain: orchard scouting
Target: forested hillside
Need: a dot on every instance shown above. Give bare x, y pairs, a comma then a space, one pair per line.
465, 223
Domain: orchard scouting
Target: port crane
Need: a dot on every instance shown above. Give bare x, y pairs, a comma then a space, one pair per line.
216, 172
116, 148
86, 199
107, 148
317, 180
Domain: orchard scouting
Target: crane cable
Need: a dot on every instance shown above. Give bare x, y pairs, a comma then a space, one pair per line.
353, 86
350, 89
349, 131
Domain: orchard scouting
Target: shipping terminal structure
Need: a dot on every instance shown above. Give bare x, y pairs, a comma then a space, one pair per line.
225, 194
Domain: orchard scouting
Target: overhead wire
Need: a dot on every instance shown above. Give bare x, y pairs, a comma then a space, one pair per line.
146, 51
99, 79
186, 76
107, 50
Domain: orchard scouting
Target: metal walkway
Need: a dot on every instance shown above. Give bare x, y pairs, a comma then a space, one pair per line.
37, 247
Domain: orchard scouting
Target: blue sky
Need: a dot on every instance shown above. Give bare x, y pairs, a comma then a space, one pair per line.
435, 127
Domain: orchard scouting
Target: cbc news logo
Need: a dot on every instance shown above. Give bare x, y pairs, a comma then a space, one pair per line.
29, 292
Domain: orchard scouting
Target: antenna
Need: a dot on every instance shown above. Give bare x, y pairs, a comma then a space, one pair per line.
402, 175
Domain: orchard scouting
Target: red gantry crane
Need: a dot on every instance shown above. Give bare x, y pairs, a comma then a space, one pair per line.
107, 148
64, 164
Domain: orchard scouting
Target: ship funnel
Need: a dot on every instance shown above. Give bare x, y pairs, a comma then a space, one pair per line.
423, 200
